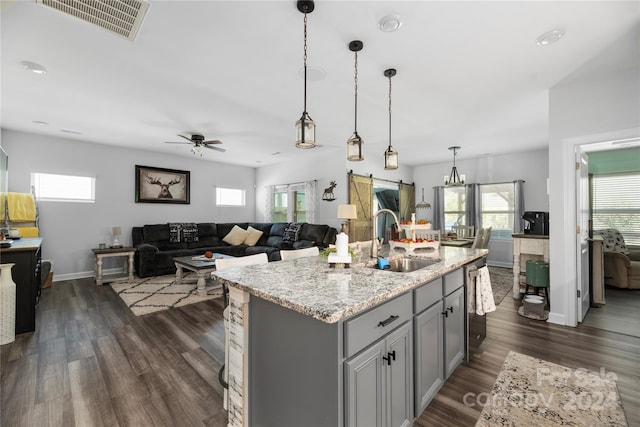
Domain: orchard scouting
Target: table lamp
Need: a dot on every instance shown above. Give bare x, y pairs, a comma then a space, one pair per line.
342, 239
116, 231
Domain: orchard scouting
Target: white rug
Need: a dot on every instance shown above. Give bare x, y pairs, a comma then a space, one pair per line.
534, 392
151, 294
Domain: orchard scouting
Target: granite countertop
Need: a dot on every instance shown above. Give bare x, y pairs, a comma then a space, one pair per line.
309, 286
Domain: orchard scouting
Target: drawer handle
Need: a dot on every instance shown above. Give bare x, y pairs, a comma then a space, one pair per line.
390, 319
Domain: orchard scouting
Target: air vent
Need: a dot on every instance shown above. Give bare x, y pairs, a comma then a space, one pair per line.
121, 17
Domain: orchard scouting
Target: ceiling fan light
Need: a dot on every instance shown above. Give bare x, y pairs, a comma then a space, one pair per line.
306, 132
197, 150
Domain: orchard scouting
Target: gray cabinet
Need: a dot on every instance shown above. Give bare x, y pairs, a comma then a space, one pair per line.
379, 382
453, 331
429, 360
439, 334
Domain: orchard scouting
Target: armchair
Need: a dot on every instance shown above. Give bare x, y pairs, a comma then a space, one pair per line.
621, 267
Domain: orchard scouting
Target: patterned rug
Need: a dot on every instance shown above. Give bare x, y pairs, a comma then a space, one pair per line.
151, 294
534, 392
501, 282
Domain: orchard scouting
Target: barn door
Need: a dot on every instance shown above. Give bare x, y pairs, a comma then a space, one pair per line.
361, 195
407, 201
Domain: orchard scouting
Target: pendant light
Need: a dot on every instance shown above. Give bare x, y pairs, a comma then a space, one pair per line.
390, 156
305, 127
354, 144
454, 178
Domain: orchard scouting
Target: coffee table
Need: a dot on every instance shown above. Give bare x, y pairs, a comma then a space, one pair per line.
201, 267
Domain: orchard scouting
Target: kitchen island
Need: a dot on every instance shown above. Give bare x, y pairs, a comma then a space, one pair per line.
308, 342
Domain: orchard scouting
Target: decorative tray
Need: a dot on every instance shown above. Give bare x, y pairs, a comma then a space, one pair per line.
411, 245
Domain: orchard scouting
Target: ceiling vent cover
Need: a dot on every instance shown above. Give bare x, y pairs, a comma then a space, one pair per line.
121, 17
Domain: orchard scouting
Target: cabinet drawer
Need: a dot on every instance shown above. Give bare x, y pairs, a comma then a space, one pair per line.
532, 246
452, 281
366, 328
428, 294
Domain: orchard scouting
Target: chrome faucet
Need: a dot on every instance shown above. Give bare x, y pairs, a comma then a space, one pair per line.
374, 235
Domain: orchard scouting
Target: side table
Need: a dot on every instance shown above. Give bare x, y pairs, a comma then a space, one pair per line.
112, 252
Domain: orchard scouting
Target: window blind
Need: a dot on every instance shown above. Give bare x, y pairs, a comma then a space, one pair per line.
615, 203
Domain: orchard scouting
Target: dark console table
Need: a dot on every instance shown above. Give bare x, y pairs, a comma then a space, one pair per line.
26, 255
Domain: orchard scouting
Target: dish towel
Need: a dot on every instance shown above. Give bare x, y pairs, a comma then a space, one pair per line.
21, 207
484, 294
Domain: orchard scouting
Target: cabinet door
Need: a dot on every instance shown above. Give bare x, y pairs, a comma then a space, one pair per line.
399, 375
453, 331
429, 355
365, 387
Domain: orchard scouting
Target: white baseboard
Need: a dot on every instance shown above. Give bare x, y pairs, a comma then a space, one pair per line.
558, 319
85, 274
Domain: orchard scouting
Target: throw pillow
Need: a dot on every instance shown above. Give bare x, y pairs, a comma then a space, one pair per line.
236, 236
253, 236
189, 232
291, 232
174, 232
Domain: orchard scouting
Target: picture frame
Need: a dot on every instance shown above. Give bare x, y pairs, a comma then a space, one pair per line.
161, 185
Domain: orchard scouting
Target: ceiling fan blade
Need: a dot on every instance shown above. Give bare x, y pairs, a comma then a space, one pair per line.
215, 148
177, 142
185, 137
213, 141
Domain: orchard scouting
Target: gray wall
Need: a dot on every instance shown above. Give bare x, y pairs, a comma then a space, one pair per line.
70, 230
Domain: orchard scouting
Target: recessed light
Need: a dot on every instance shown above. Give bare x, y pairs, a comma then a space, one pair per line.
390, 23
275, 154
40, 123
33, 67
313, 73
550, 37
73, 132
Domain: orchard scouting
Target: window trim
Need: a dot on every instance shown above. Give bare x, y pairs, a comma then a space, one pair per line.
225, 205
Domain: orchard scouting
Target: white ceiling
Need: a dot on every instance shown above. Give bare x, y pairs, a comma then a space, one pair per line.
469, 74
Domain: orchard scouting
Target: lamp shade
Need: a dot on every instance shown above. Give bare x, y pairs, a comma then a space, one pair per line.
116, 231
347, 212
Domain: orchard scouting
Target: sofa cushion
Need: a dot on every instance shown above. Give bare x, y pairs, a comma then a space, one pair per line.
313, 232
207, 235
253, 236
252, 250
155, 233
277, 229
278, 242
301, 244
236, 236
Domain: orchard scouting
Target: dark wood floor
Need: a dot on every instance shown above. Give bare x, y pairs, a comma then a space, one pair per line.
621, 313
92, 362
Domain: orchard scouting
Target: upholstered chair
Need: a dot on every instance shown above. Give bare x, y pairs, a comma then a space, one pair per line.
621, 266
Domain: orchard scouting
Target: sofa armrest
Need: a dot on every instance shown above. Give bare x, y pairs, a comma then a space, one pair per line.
616, 267
634, 253
147, 247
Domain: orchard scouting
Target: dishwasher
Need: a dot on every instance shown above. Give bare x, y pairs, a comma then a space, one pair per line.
476, 325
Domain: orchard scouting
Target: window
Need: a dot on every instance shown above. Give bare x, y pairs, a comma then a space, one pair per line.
498, 208
282, 210
454, 206
615, 202
64, 188
230, 197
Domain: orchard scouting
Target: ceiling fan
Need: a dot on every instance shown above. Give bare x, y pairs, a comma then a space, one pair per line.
197, 141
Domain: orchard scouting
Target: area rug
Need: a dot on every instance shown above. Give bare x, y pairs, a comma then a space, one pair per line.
534, 392
501, 282
151, 294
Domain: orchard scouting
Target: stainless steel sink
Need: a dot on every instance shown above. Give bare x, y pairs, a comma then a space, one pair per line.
405, 265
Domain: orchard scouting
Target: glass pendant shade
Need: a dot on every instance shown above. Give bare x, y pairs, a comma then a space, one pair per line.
306, 132
390, 159
354, 148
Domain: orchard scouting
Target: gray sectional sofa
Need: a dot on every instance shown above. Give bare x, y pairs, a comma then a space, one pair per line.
157, 246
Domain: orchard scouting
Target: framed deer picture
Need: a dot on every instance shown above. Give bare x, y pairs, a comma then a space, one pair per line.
159, 185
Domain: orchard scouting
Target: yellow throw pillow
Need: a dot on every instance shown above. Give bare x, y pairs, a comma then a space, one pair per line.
253, 236
236, 236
